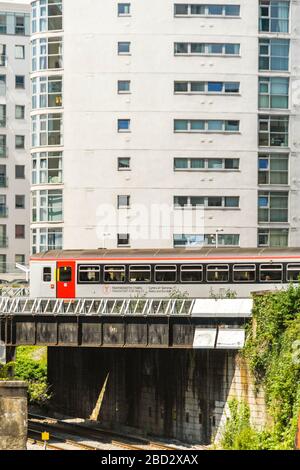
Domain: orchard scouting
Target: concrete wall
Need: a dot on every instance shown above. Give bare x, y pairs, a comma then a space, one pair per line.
176, 394
13, 415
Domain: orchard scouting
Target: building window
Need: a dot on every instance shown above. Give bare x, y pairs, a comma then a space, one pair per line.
226, 88
124, 48
273, 93
124, 9
20, 112
123, 125
123, 239
123, 164
273, 131
3, 206
20, 171
47, 168
3, 178
3, 147
20, 52
20, 202
274, 54
3, 56
123, 202
198, 164
47, 92
47, 130
221, 202
206, 240
47, 54
2, 115
15, 23
273, 206
274, 16
124, 86
20, 142
20, 231
47, 15
20, 82
186, 9
3, 264
3, 237
199, 48
2, 85
47, 206
20, 259
273, 238
47, 239
273, 168
213, 126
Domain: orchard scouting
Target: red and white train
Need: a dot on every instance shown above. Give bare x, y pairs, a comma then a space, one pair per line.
161, 273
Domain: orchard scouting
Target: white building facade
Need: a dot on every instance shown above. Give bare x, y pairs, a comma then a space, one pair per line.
144, 116
14, 137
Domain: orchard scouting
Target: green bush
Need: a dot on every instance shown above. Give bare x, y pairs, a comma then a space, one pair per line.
31, 366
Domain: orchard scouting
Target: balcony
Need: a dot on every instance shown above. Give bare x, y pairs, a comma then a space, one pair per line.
3, 211
3, 151
3, 181
3, 60
3, 242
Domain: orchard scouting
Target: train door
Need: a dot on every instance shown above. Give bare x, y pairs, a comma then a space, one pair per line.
65, 279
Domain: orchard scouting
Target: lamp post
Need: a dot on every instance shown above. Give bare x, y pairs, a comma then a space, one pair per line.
217, 236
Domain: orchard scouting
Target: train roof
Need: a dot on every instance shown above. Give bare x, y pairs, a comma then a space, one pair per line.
168, 253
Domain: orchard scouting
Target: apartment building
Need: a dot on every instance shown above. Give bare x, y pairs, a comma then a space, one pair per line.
14, 137
170, 124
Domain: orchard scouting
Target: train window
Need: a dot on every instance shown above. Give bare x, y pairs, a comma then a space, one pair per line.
47, 275
270, 272
191, 273
65, 274
217, 273
244, 273
89, 274
140, 273
114, 273
165, 273
293, 272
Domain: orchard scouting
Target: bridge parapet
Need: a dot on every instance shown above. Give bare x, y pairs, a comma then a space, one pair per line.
138, 323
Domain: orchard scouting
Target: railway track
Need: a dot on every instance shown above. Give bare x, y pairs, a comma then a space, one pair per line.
59, 438
102, 436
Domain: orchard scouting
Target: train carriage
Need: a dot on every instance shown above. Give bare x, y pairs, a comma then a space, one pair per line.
192, 273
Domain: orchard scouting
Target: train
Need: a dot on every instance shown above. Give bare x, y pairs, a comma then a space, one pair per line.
186, 273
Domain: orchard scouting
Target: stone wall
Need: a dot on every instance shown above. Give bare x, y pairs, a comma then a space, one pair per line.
180, 394
13, 415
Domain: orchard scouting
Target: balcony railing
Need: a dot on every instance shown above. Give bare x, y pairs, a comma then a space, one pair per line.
3, 122
3, 211
3, 60
3, 181
3, 151
3, 242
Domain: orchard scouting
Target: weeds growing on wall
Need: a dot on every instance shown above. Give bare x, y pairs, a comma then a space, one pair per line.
273, 353
31, 366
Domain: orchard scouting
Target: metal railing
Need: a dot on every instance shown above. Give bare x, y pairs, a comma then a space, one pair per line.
120, 307
8, 291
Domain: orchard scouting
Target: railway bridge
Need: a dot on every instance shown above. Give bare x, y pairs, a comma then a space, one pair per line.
160, 366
